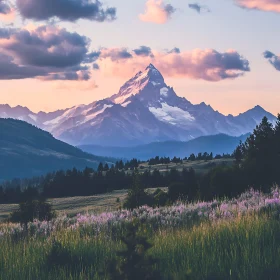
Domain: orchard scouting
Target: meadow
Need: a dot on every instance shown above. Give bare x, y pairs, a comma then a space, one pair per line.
226, 239
200, 166
107, 201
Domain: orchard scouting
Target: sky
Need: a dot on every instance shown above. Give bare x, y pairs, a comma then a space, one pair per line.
55, 54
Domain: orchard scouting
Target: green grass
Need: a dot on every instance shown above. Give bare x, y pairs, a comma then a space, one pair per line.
244, 248
79, 204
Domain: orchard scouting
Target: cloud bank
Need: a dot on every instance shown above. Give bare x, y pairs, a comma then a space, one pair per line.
47, 52
209, 64
67, 10
157, 12
264, 5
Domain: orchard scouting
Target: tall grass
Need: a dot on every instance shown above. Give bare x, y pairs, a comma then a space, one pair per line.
242, 248
229, 239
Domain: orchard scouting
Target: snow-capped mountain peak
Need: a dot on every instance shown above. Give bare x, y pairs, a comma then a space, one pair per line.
144, 110
150, 78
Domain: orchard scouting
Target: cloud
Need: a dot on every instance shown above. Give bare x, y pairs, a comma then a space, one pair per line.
4, 8
115, 54
273, 59
209, 64
264, 5
46, 46
57, 53
143, 51
95, 66
7, 13
76, 85
68, 10
174, 50
157, 12
10, 70
199, 8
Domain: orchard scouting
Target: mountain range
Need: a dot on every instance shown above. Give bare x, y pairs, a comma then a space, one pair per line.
217, 144
27, 151
145, 110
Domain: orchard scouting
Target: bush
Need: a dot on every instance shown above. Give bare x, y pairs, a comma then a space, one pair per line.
137, 196
160, 197
176, 190
32, 209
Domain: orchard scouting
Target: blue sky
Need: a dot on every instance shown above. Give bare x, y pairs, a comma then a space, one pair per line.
227, 26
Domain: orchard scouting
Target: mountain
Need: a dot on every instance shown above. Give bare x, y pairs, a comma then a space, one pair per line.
218, 144
144, 110
27, 151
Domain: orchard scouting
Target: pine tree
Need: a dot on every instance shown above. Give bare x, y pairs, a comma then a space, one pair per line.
121, 165
106, 167
259, 153
132, 262
136, 196
100, 167
238, 153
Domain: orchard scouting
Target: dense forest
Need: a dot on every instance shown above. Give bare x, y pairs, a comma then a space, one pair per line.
257, 164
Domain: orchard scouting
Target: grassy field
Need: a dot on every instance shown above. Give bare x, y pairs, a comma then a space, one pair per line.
79, 204
217, 240
200, 166
75, 205
247, 249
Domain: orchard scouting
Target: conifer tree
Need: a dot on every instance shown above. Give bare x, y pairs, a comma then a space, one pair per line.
132, 262
100, 167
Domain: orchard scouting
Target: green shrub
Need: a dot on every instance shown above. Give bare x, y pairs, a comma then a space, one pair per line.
32, 209
176, 190
160, 197
137, 195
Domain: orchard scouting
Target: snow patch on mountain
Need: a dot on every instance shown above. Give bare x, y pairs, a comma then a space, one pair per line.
172, 115
126, 103
33, 117
164, 91
4, 115
93, 115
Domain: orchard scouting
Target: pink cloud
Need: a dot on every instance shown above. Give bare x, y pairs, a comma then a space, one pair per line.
264, 5
157, 12
7, 13
76, 85
208, 64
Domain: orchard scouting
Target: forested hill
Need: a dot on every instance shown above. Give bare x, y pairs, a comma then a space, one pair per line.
27, 151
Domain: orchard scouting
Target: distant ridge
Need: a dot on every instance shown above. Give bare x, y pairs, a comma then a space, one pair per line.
218, 144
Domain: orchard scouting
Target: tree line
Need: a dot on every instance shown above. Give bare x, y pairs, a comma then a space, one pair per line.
200, 156
257, 164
